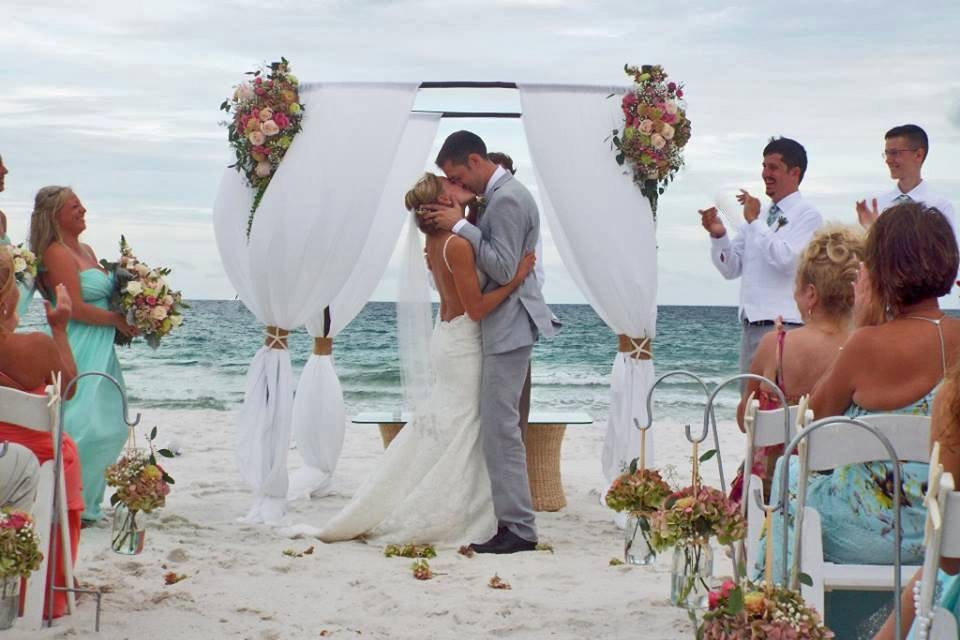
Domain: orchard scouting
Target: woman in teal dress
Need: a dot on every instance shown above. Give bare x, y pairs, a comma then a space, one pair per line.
94, 417
893, 362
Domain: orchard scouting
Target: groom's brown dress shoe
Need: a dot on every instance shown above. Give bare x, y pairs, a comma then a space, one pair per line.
505, 541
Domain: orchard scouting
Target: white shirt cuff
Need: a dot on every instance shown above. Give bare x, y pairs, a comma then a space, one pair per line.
459, 225
723, 242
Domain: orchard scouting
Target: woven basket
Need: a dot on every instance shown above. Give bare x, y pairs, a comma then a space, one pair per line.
543, 466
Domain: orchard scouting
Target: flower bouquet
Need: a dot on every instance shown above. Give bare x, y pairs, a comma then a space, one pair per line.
751, 612
686, 522
640, 492
24, 265
141, 485
267, 114
655, 130
143, 296
19, 557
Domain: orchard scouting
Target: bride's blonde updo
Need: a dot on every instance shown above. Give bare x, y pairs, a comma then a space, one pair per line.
426, 191
830, 263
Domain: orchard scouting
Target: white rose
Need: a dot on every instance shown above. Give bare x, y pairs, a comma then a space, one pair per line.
19, 264
256, 138
658, 141
270, 128
667, 132
134, 288
671, 106
264, 169
142, 269
158, 313
244, 92
176, 321
168, 300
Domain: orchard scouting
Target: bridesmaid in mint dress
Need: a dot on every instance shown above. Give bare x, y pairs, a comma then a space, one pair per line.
94, 417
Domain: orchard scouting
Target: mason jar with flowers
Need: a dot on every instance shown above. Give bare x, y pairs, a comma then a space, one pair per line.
639, 493
19, 557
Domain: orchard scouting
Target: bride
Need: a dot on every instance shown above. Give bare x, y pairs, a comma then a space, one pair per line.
431, 485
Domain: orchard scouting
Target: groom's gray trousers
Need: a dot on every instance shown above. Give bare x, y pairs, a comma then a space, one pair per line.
501, 384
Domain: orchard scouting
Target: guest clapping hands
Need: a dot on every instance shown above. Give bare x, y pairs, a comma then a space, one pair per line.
94, 417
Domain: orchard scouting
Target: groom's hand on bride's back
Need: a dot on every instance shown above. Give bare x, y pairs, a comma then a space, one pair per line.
441, 216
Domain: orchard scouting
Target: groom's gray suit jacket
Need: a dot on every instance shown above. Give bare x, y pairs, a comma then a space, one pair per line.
509, 228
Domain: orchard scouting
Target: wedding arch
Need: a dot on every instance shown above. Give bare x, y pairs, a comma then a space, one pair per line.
325, 230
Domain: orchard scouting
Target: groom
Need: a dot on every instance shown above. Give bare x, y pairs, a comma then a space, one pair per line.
507, 227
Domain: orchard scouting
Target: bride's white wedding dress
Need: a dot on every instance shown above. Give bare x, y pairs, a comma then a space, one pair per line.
431, 486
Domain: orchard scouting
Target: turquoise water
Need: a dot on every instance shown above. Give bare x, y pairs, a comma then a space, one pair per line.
203, 364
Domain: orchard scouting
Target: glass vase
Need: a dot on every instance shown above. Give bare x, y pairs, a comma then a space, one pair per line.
690, 575
9, 601
636, 542
128, 531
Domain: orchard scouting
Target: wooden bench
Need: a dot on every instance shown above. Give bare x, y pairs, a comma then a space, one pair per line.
544, 437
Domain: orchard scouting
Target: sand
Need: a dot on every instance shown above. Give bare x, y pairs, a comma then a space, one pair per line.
239, 583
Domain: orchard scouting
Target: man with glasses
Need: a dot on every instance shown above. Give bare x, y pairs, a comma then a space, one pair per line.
905, 149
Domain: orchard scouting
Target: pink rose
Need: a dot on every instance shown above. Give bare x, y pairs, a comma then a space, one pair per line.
264, 169
646, 127
282, 120
260, 91
257, 80
671, 86
658, 141
256, 138
679, 93
270, 128
265, 114
669, 118
713, 599
727, 587
629, 100
152, 301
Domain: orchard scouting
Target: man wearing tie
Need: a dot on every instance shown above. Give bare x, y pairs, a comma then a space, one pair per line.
765, 250
905, 149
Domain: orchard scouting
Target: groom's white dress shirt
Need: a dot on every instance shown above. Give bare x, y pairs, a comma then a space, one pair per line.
920, 193
765, 258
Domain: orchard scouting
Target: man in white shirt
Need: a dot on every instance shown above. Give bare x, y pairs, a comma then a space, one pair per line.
765, 250
905, 149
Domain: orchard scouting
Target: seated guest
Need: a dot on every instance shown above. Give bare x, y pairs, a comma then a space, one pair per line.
945, 429
796, 360
29, 362
893, 362
19, 475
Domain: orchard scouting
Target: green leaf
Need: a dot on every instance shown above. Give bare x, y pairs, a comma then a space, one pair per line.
805, 579
709, 454
153, 433
167, 478
620, 159
735, 601
114, 499
633, 465
166, 453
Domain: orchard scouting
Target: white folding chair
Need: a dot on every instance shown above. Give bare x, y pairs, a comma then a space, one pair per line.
763, 429
942, 541
834, 446
41, 413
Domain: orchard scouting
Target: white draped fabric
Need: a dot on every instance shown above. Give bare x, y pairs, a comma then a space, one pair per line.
319, 417
604, 231
313, 222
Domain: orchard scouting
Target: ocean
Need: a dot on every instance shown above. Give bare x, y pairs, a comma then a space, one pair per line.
203, 364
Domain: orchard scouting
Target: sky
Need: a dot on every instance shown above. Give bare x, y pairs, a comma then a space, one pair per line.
120, 101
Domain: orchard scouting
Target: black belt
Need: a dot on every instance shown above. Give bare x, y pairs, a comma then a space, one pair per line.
769, 323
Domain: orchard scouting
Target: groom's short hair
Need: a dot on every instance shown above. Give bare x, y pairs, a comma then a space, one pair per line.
458, 146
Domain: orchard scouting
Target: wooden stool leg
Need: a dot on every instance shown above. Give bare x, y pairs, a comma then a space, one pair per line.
543, 466
389, 431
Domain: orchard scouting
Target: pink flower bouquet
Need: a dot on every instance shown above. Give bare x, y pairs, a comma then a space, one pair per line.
19, 544
749, 612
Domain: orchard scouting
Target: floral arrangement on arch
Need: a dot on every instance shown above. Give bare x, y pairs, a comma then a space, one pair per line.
751, 612
655, 130
144, 297
267, 114
24, 265
19, 544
